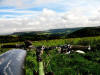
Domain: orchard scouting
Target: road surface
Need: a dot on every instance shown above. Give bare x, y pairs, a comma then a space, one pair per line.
12, 62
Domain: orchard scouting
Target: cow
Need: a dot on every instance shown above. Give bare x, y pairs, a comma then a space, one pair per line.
79, 51
67, 48
63, 48
39, 52
28, 45
80, 47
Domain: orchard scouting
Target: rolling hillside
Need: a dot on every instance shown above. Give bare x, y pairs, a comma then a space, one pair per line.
52, 31
64, 30
86, 32
51, 34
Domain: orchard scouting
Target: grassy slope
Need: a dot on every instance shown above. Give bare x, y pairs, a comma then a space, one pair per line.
61, 64
88, 31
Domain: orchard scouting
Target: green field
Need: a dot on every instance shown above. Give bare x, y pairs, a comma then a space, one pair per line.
63, 64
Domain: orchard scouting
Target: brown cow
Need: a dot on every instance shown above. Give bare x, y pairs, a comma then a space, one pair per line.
28, 45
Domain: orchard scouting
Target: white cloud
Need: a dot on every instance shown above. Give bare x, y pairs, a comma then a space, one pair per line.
60, 5
41, 2
79, 13
17, 11
13, 13
15, 3
49, 19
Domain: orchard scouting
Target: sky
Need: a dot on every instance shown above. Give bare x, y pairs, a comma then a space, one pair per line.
39, 15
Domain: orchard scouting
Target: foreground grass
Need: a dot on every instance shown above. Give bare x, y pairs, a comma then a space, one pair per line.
62, 64
73, 64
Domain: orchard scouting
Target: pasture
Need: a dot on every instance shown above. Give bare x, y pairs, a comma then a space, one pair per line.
65, 64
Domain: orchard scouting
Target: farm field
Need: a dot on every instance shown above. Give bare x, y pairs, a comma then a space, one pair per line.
65, 64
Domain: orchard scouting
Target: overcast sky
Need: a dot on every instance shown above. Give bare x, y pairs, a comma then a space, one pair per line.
36, 15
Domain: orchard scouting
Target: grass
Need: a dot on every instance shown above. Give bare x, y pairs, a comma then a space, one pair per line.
63, 64
41, 68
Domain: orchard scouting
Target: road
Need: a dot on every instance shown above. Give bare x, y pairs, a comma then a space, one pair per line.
12, 62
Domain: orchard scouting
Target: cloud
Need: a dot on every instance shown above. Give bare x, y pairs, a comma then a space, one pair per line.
33, 15
20, 4
51, 4
56, 5
17, 11
49, 19
13, 13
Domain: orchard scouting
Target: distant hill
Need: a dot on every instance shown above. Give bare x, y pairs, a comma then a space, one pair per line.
51, 34
86, 32
39, 35
64, 30
52, 31
27, 33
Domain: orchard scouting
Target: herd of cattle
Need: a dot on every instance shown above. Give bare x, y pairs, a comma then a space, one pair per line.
67, 48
